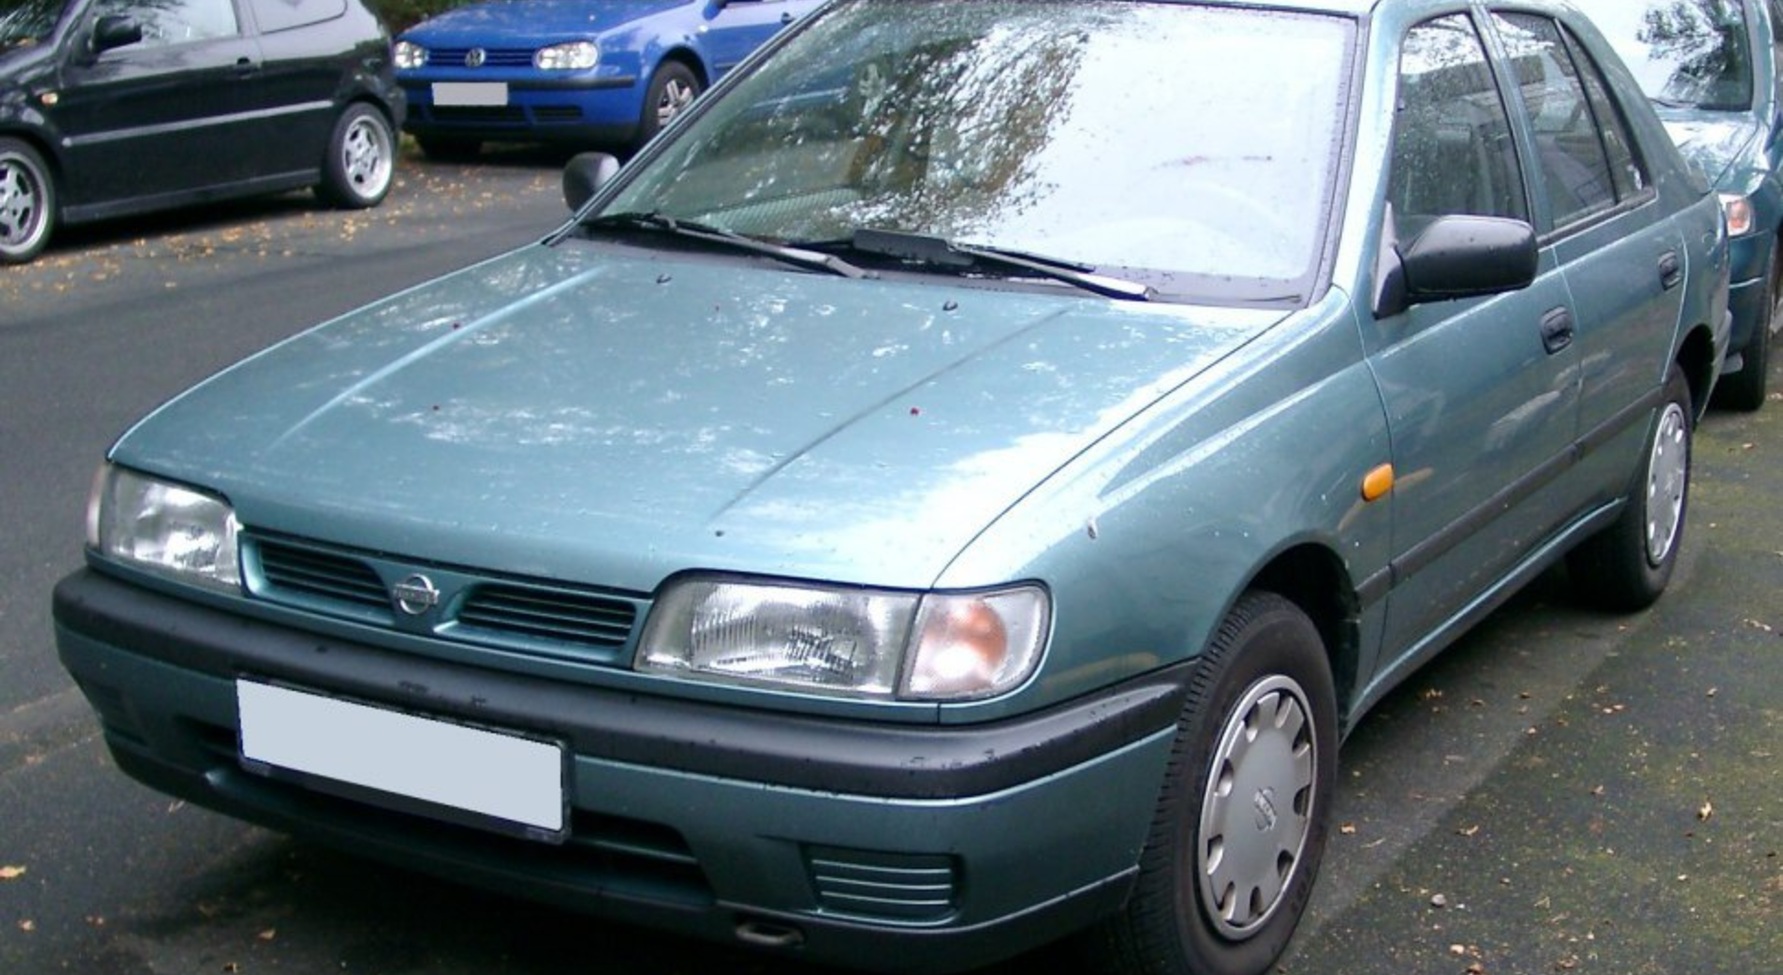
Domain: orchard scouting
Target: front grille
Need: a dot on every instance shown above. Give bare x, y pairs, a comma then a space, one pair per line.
327, 578
896, 887
558, 114
504, 57
568, 617
539, 617
479, 114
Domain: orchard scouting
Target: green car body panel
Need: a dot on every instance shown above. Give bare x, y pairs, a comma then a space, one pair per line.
598, 418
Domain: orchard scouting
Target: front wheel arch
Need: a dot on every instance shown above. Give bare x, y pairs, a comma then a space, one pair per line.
1244, 810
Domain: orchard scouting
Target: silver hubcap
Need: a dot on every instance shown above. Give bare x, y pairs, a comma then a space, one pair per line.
1668, 473
1257, 810
366, 157
675, 97
21, 203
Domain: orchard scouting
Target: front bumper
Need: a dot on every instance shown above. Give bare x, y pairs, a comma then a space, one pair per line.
600, 111
1748, 295
879, 846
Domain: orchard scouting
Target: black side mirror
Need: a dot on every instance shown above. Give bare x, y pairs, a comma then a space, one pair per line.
585, 174
1459, 256
114, 30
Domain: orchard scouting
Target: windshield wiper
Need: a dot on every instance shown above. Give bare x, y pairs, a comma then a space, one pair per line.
718, 235
941, 252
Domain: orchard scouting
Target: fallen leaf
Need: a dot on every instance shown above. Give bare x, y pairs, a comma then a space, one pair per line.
268, 934
1706, 810
11, 873
27, 925
1347, 829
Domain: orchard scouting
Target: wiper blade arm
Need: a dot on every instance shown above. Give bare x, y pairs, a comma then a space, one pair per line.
940, 251
706, 232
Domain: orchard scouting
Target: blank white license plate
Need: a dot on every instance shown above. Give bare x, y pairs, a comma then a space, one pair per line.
480, 94
502, 781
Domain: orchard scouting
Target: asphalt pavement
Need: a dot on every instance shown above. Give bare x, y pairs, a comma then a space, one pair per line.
1561, 791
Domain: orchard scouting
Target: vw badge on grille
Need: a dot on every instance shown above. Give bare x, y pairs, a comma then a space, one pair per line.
475, 57
415, 595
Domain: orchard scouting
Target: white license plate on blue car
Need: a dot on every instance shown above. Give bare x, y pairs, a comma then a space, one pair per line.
450, 771
470, 94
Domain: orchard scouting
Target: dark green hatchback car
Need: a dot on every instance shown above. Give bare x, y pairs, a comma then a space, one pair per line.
953, 490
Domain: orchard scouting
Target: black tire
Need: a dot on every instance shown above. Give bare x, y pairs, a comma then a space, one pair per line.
27, 202
1626, 566
673, 87
1746, 390
361, 161
1241, 823
449, 149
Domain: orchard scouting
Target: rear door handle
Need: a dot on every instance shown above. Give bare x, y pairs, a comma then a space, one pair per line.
1671, 270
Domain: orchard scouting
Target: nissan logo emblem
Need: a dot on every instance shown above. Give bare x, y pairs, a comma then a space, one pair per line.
415, 595
474, 57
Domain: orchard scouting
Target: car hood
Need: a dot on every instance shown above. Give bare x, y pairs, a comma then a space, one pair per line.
514, 19
1711, 141
592, 414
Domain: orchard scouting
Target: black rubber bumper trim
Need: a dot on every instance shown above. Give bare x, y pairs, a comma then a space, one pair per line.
886, 759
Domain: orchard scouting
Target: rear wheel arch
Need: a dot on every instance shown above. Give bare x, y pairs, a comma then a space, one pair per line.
1696, 357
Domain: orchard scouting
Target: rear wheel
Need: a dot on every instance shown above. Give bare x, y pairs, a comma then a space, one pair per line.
27, 202
1242, 820
1626, 566
673, 87
361, 159
1745, 390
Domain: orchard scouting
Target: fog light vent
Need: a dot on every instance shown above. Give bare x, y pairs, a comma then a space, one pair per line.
895, 887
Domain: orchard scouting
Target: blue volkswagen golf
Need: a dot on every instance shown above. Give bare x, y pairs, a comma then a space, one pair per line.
594, 72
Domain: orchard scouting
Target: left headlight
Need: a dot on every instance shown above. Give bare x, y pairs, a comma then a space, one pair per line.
164, 528
573, 56
856, 642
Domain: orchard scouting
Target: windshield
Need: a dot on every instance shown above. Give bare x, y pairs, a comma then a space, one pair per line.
1685, 53
1160, 142
24, 23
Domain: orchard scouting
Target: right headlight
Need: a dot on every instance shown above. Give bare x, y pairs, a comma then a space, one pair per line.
410, 55
856, 642
165, 528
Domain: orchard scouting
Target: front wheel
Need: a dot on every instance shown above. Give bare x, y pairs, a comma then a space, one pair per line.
27, 202
673, 87
1626, 566
361, 161
1242, 820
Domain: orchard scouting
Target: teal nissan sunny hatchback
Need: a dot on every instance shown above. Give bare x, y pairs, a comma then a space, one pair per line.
951, 492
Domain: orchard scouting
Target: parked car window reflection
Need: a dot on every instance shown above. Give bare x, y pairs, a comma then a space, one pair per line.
278, 15
1570, 151
27, 22
966, 121
1452, 150
167, 22
1684, 53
